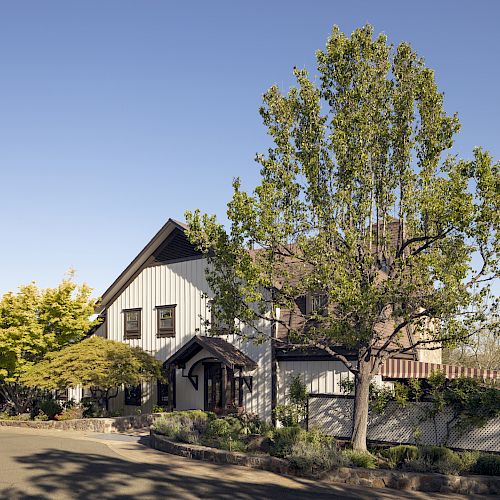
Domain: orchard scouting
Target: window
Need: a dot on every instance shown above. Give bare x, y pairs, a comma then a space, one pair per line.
162, 391
133, 395
317, 303
165, 321
132, 318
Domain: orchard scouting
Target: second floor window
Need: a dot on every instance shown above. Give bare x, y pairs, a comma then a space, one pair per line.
317, 303
132, 318
166, 321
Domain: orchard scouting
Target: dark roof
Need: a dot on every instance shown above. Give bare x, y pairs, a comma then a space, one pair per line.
219, 348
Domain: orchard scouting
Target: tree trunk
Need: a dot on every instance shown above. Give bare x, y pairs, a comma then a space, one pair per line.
361, 401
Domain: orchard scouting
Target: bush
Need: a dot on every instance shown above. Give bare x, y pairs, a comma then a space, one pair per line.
224, 428
360, 459
313, 458
398, 455
488, 465
167, 426
252, 424
70, 413
442, 460
41, 416
289, 415
159, 409
49, 407
230, 444
469, 460
284, 439
187, 435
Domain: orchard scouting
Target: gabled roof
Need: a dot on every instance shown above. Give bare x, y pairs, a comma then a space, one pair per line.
219, 348
155, 250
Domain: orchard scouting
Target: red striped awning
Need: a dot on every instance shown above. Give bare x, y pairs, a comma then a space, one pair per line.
405, 368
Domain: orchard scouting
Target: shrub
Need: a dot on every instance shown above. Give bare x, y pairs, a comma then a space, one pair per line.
360, 459
488, 465
437, 453
41, 416
230, 444
187, 435
289, 415
418, 465
284, 439
159, 409
167, 426
469, 460
313, 458
70, 413
49, 407
439, 459
252, 424
399, 454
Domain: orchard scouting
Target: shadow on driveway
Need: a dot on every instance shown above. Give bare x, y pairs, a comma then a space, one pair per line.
66, 474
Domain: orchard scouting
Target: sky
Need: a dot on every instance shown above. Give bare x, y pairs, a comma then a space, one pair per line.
117, 115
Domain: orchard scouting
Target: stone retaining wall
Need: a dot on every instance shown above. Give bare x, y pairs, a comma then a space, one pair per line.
106, 425
413, 481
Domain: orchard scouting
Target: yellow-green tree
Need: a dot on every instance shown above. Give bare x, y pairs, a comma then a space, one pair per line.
36, 321
97, 364
357, 204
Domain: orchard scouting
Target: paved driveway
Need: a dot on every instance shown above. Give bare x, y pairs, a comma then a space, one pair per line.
60, 465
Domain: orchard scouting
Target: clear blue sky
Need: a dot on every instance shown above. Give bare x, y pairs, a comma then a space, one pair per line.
116, 115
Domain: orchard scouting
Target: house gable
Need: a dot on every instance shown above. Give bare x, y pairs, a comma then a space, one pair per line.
170, 244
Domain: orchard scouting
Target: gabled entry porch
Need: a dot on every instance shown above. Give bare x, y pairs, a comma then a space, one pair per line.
209, 373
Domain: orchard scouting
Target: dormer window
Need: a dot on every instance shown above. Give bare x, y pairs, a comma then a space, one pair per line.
165, 316
132, 326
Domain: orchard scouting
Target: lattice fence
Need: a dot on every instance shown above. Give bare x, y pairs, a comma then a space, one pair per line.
333, 416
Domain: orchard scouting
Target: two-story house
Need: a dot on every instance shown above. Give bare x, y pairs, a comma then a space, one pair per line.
161, 303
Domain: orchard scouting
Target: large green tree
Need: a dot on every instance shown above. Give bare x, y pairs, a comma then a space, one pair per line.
97, 364
34, 322
357, 202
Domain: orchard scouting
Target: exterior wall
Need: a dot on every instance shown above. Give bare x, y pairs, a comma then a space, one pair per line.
320, 377
184, 284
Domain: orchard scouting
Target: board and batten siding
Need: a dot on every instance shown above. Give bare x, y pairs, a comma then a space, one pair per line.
183, 284
319, 377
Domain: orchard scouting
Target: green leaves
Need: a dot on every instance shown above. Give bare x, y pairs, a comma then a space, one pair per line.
358, 201
94, 362
34, 322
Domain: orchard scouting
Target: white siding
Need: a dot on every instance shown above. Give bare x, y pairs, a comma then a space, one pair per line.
320, 377
183, 284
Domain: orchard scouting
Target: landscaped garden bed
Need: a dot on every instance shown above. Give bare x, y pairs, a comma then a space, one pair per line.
245, 440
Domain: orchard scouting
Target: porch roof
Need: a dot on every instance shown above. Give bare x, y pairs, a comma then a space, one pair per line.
219, 348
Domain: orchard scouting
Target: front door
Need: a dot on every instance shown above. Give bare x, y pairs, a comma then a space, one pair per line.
213, 387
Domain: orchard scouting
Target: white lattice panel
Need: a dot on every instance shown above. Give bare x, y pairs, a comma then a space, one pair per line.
398, 425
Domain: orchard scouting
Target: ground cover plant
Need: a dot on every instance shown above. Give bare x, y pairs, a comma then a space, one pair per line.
310, 452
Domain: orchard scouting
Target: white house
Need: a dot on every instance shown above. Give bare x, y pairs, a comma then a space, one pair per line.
160, 303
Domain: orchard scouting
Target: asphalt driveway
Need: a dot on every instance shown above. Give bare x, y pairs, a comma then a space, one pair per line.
60, 465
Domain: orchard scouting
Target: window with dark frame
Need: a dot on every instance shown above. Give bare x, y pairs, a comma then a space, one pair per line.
317, 303
133, 395
162, 393
165, 316
132, 320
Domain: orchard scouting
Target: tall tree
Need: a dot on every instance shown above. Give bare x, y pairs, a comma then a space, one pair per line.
97, 364
34, 322
357, 203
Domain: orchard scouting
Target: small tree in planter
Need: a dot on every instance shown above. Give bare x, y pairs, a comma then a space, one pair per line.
101, 365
